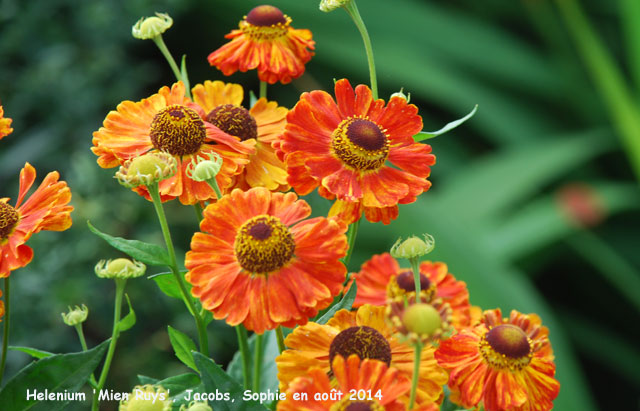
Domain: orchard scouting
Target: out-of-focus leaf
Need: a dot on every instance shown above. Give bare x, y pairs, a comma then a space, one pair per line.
183, 346
35, 353
183, 72
167, 284
150, 254
346, 303
129, 320
425, 135
269, 375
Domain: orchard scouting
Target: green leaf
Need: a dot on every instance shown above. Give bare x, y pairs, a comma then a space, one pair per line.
216, 381
149, 254
425, 135
168, 284
183, 72
269, 370
35, 353
56, 374
129, 320
176, 384
346, 303
183, 345
252, 98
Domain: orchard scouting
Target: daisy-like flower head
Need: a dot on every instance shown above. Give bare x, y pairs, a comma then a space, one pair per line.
383, 387
5, 124
257, 263
356, 150
381, 280
146, 398
169, 121
503, 363
264, 123
265, 41
46, 209
366, 334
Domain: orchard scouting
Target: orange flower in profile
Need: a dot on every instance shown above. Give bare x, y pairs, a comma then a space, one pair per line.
264, 122
5, 124
505, 364
169, 121
46, 209
265, 41
257, 263
363, 384
381, 279
367, 334
356, 150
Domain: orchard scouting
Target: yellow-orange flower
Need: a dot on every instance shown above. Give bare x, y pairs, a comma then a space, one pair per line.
381, 279
359, 384
265, 41
367, 334
169, 121
264, 122
503, 363
5, 124
257, 263
46, 209
356, 150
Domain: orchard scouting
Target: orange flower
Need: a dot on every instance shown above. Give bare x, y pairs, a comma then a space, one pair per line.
169, 121
361, 384
503, 363
1, 307
346, 148
381, 279
366, 334
264, 122
265, 41
5, 124
46, 209
258, 264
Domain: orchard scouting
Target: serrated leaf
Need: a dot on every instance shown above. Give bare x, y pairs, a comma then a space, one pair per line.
57, 373
129, 320
34, 352
215, 380
150, 254
168, 284
346, 303
182, 345
425, 135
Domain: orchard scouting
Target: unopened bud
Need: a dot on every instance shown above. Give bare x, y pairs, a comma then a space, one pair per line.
150, 27
204, 168
413, 247
120, 268
75, 316
147, 169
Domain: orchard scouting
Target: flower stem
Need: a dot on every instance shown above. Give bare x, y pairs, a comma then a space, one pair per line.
352, 9
120, 283
174, 67
263, 89
198, 209
257, 365
83, 344
415, 267
213, 183
280, 338
416, 374
351, 240
5, 334
202, 332
243, 346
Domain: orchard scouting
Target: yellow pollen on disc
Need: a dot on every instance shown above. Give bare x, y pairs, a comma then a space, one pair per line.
265, 23
9, 218
178, 130
347, 404
263, 244
360, 144
506, 346
234, 120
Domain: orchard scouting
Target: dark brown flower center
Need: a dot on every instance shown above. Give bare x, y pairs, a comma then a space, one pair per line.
406, 281
360, 406
234, 120
347, 404
263, 244
265, 15
8, 219
177, 130
509, 340
365, 342
360, 144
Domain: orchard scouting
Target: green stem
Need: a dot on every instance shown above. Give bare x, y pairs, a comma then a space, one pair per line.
83, 344
213, 183
120, 284
202, 332
5, 335
416, 374
352, 9
198, 209
263, 89
174, 67
280, 338
351, 240
415, 267
243, 346
257, 364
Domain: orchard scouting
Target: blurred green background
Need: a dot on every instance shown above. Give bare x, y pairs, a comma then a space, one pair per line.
557, 130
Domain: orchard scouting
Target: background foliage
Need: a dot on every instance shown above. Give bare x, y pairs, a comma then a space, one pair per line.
546, 121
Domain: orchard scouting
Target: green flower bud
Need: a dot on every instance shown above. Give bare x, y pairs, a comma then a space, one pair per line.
196, 406
204, 168
421, 319
413, 247
75, 316
120, 268
330, 5
147, 398
401, 95
150, 27
147, 169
